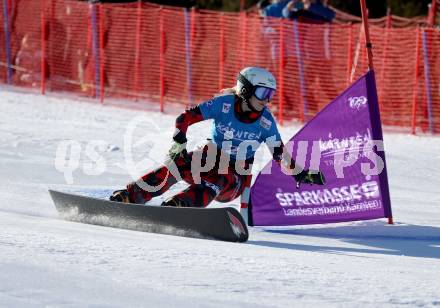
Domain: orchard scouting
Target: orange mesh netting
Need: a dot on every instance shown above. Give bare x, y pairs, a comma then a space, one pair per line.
162, 54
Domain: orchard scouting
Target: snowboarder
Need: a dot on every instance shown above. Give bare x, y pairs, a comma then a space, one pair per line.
242, 121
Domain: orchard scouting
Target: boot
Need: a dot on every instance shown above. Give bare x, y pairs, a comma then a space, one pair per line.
120, 196
175, 202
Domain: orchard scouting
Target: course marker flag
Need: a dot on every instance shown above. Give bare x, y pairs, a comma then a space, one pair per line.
345, 142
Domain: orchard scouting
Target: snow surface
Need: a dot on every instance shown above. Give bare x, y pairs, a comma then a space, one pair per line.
46, 261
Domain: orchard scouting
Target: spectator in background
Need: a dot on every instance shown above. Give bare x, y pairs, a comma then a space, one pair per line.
316, 54
270, 27
274, 9
28, 62
261, 5
309, 10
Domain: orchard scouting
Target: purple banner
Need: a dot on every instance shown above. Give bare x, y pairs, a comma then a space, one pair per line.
344, 141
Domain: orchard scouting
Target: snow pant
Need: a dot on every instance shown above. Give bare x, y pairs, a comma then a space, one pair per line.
221, 185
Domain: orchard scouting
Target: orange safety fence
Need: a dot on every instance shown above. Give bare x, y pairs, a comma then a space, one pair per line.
141, 51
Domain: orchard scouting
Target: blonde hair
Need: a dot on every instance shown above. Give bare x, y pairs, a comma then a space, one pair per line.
224, 91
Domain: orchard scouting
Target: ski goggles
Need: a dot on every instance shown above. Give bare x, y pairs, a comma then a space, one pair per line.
263, 93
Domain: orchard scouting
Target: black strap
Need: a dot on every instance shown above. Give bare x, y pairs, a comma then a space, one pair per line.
248, 88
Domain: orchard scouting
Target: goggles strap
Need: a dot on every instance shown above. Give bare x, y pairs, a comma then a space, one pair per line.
248, 88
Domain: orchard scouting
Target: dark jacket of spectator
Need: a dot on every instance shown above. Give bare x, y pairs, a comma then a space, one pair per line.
275, 9
314, 11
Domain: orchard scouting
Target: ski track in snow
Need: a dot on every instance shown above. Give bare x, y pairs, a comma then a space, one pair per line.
46, 261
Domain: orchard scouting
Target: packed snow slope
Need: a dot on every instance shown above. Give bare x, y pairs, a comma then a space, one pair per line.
65, 144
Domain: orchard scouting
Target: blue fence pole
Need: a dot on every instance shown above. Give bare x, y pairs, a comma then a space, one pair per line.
188, 56
95, 47
300, 67
7, 42
428, 81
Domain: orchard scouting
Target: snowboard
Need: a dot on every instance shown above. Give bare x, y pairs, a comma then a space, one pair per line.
218, 223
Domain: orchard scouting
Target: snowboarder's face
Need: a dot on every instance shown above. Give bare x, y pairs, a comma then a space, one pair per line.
258, 104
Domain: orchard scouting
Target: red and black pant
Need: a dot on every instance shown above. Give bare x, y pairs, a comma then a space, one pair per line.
222, 184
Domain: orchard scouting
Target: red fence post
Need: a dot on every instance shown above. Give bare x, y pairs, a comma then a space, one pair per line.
101, 51
416, 81
434, 10
222, 51
49, 40
384, 57
280, 75
243, 17
192, 35
302, 84
242, 5
192, 29
43, 47
137, 49
432, 13
162, 59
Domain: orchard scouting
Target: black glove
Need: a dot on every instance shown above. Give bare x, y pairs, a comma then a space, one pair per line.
309, 177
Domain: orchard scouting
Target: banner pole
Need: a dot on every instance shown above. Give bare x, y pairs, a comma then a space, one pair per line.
357, 52
416, 81
427, 80
349, 53
378, 129
368, 44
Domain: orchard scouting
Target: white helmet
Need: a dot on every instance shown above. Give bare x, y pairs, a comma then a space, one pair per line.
251, 78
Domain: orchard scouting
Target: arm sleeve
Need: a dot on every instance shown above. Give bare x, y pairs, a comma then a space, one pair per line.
204, 111
183, 121
272, 138
277, 147
282, 158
